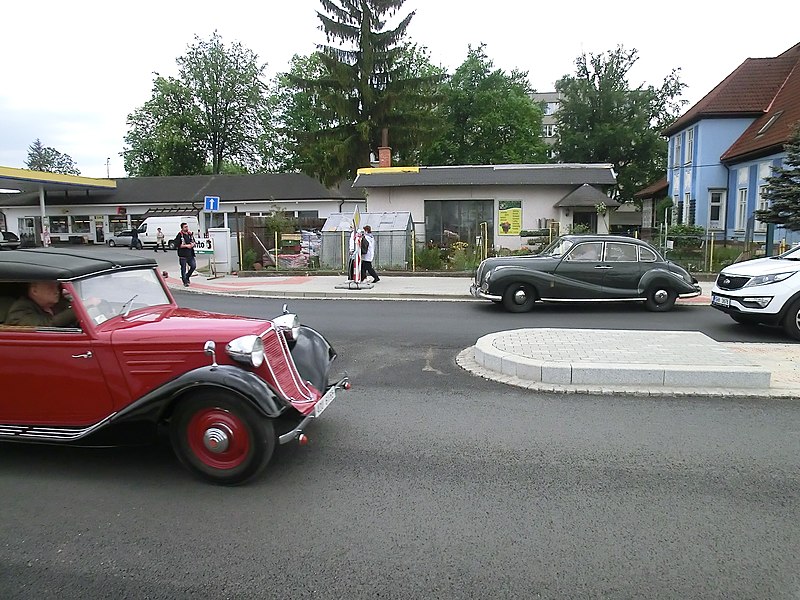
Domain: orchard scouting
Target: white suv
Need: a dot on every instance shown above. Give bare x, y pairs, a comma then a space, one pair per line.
764, 290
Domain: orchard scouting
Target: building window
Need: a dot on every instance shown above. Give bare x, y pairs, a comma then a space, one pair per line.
550, 108
676, 157
689, 146
716, 209
741, 210
117, 223
687, 202
549, 131
762, 205
80, 224
769, 123
58, 225
448, 221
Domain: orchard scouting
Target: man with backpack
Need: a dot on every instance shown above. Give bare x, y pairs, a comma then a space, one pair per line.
367, 254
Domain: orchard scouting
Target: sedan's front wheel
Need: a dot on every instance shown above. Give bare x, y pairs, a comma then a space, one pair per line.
221, 438
519, 297
660, 298
791, 322
112, 243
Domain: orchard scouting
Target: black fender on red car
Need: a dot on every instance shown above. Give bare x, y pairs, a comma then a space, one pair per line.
313, 356
157, 404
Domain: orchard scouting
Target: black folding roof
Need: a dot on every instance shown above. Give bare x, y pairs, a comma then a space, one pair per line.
37, 264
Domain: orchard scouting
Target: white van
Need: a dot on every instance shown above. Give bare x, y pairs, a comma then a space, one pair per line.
170, 226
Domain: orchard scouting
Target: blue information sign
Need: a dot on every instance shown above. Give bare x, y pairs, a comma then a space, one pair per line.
212, 203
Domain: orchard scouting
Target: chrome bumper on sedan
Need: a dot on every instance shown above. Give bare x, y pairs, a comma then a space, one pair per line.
477, 292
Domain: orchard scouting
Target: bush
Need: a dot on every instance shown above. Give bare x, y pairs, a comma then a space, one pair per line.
430, 259
248, 259
578, 228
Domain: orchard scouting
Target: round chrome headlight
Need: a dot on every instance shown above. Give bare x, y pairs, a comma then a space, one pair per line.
248, 349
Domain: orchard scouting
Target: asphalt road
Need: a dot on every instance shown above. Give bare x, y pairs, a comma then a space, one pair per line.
426, 482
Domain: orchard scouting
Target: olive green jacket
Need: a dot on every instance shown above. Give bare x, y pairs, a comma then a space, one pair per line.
26, 312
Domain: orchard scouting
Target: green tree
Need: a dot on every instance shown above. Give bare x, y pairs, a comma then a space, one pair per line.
602, 119
488, 117
215, 110
164, 136
50, 160
783, 188
363, 88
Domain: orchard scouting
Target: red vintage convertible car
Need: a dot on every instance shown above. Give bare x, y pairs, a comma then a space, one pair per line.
227, 388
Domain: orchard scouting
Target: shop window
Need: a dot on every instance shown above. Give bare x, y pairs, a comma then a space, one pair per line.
80, 224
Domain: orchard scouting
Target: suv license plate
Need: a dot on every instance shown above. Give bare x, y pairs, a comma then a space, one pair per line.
324, 402
720, 301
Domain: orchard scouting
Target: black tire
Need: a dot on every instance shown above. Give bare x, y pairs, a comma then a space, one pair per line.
660, 298
112, 243
171, 245
221, 438
791, 322
519, 297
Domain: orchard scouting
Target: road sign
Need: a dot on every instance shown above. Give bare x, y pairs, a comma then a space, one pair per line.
212, 203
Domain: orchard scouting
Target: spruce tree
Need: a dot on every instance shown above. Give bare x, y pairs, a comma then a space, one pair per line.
783, 189
365, 87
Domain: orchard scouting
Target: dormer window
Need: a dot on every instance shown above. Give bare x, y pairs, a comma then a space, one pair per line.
769, 123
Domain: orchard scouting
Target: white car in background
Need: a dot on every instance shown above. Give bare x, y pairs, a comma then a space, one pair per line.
763, 290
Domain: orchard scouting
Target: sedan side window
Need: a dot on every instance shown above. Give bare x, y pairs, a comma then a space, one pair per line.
588, 251
647, 255
620, 252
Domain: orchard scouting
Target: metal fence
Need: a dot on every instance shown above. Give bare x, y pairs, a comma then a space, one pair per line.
392, 250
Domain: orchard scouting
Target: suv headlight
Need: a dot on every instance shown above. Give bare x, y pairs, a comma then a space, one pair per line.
248, 349
767, 279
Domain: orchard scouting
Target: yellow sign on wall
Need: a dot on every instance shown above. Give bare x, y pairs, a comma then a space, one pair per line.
509, 220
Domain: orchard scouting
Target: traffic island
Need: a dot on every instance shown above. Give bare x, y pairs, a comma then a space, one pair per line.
654, 363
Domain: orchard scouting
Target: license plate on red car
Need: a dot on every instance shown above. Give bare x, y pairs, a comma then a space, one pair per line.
325, 401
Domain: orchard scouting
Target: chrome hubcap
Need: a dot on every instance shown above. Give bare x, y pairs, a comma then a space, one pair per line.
661, 296
520, 296
217, 438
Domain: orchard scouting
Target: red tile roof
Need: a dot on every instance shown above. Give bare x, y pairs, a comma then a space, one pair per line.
781, 117
751, 90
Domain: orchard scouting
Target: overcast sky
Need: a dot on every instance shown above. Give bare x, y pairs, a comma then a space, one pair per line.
73, 71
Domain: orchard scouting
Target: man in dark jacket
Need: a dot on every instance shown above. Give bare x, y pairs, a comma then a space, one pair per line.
43, 306
184, 242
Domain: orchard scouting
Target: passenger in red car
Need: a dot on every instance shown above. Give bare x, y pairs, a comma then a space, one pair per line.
43, 306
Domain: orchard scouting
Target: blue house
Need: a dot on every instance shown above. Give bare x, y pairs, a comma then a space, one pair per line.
724, 147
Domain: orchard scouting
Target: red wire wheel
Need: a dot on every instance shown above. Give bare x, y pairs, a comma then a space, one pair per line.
221, 437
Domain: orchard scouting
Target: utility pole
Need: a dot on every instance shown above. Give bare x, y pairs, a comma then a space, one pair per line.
108, 168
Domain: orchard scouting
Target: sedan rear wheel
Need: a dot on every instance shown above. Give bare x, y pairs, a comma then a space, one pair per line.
791, 322
221, 438
519, 297
112, 243
660, 298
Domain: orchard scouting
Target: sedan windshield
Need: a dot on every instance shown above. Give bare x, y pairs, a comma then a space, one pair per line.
793, 254
112, 294
558, 247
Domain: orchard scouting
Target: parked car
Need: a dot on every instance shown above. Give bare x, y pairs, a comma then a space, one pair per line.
226, 388
763, 290
8, 240
585, 268
120, 238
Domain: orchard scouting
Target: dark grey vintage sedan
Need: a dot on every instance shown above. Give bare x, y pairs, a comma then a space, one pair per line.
585, 268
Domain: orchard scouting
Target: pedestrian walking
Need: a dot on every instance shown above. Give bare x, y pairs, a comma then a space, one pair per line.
135, 243
160, 241
367, 255
184, 242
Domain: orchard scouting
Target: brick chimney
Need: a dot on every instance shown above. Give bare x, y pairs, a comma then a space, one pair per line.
384, 151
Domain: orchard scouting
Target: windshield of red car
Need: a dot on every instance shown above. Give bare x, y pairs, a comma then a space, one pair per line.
118, 293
